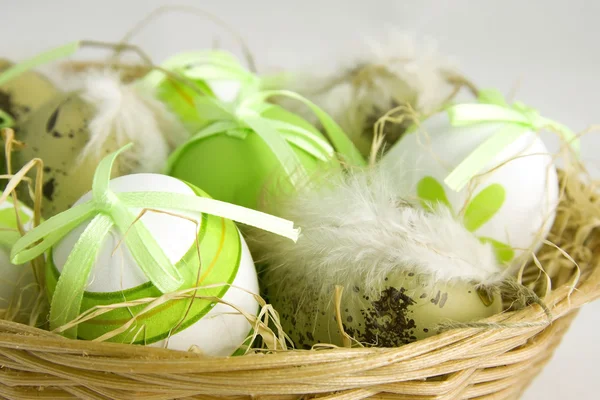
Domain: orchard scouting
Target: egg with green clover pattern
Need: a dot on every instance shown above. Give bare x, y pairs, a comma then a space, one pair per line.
511, 203
224, 275
18, 286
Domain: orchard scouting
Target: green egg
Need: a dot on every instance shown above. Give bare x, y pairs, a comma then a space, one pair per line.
241, 169
57, 132
404, 309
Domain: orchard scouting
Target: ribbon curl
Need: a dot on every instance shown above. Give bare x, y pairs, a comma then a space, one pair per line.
107, 210
518, 119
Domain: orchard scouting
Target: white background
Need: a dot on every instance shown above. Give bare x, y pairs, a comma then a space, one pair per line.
550, 47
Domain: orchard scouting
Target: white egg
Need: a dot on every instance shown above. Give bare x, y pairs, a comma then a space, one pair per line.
18, 287
513, 199
219, 329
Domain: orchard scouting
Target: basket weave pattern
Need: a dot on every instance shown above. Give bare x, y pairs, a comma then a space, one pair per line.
466, 363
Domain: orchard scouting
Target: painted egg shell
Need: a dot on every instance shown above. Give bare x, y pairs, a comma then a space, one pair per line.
19, 98
402, 311
215, 328
511, 205
18, 287
57, 132
239, 169
25, 93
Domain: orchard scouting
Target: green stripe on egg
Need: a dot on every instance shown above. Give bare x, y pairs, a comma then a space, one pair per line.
220, 250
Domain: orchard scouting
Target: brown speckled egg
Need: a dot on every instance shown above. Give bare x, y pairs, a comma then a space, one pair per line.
25, 93
405, 309
57, 132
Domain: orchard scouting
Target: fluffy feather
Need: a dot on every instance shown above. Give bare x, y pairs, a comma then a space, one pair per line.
356, 229
418, 63
397, 71
126, 113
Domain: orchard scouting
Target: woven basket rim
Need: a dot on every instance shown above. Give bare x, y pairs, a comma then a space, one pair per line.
561, 301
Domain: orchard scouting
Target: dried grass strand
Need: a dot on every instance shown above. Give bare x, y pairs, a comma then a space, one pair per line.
160, 11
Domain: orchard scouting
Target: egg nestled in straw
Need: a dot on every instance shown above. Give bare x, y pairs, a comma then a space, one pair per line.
509, 198
403, 272
149, 259
18, 286
117, 278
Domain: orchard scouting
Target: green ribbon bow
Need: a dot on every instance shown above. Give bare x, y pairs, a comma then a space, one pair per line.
107, 210
518, 119
250, 112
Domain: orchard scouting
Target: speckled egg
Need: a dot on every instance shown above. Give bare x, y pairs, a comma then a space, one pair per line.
57, 133
25, 93
406, 309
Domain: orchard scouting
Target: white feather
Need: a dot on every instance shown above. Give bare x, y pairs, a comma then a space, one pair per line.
414, 74
124, 114
418, 63
356, 229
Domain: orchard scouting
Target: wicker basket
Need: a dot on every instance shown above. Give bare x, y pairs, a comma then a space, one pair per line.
497, 361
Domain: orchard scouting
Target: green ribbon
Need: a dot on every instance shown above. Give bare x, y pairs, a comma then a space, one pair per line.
107, 210
204, 65
39, 60
247, 113
340, 141
277, 134
517, 119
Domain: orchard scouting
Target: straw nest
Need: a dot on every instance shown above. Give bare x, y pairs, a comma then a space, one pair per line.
494, 359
